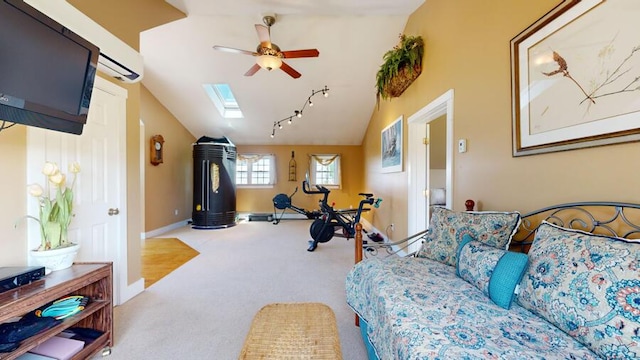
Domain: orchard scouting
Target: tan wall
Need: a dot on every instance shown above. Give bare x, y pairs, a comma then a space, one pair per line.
169, 185
438, 143
126, 19
13, 192
467, 49
261, 200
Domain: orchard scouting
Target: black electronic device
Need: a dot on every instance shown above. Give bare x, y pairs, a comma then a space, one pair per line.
46, 71
12, 277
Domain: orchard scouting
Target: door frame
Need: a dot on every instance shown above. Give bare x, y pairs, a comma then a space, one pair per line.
417, 170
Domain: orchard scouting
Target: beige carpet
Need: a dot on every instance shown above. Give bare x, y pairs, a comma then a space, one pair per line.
204, 308
160, 256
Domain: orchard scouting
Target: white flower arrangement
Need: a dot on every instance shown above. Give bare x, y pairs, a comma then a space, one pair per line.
55, 213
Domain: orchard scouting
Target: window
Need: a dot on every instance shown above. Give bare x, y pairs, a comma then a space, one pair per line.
255, 170
222, 97
325, 170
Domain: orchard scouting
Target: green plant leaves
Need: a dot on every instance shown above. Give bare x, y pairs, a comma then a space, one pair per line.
408, 53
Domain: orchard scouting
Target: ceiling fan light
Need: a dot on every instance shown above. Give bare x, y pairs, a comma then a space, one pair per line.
269, 62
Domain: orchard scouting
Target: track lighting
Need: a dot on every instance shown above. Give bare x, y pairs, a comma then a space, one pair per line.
298, 113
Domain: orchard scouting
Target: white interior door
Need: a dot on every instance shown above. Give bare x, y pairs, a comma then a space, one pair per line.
99, 224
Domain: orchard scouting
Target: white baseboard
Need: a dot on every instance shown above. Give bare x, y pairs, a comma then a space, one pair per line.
130, 291
164, 229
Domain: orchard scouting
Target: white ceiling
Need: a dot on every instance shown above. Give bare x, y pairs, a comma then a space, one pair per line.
351, 36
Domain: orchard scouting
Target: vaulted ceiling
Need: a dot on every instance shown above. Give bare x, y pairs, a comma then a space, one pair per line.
351, 36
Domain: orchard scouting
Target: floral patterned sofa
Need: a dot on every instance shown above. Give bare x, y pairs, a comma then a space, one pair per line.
575, 295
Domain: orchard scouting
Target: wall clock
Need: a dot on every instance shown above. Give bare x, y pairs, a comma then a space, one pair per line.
157, 146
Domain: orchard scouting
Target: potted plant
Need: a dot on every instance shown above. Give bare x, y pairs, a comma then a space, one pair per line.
55, 204
402, 65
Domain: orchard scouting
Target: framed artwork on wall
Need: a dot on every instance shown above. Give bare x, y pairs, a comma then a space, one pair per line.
576, 77
391, 147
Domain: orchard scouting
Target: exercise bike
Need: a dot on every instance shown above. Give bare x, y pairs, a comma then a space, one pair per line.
283, 202
325, 226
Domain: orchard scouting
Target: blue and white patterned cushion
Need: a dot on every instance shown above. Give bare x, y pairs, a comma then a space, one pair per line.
446, 229
588, 286
495, 272
417, 308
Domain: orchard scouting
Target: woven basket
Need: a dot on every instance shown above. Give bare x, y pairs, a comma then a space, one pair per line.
401, 82
300, 331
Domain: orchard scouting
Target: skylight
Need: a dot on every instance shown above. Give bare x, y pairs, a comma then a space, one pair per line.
222, 97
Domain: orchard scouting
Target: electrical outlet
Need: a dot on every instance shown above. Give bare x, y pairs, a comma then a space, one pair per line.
393, 227
175, 212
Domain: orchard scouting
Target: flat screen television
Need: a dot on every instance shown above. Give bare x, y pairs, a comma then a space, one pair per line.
46, 71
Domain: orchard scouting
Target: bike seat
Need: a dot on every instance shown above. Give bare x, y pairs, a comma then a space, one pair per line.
367, 195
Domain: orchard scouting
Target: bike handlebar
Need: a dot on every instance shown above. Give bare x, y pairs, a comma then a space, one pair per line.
324, 191
307, 190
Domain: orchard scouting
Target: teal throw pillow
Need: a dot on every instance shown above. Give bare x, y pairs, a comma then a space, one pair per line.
496, 272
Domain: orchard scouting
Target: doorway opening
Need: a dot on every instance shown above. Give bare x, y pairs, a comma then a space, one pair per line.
418, 169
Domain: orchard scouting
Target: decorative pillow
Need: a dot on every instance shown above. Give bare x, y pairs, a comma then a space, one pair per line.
495, 272
588, 286
446, 229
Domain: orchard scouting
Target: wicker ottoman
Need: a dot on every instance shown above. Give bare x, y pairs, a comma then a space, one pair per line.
293, 331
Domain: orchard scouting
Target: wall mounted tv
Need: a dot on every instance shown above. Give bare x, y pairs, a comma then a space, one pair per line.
46, 71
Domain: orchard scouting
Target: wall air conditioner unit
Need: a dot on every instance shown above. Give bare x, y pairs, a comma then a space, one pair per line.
117, 59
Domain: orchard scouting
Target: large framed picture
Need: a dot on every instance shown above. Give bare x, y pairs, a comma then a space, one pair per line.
576, 77
391, 147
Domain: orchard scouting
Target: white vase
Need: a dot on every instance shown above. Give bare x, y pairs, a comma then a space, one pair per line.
56, 259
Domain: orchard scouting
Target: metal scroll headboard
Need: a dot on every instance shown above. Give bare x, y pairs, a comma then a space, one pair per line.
605, 218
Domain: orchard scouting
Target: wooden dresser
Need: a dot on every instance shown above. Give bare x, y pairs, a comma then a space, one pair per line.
94, 280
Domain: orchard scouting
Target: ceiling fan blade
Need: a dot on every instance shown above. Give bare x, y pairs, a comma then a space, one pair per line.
290, 54
263, 35
235, 51
254, 69
289, 70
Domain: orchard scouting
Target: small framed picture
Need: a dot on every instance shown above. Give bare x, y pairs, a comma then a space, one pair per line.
391, 147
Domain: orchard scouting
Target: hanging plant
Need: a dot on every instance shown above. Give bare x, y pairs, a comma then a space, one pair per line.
402, 65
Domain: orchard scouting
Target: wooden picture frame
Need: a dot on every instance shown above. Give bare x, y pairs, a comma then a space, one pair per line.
576, 78
391, 152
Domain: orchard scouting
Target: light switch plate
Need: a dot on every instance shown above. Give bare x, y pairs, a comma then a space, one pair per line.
462, 145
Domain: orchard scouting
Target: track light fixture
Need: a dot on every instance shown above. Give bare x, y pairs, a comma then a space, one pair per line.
298, 113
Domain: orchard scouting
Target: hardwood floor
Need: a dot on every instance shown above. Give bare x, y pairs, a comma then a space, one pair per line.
160, 256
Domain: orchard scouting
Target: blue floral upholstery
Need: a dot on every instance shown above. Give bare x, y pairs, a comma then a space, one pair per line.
495, 272
446, 229
416, 308
587, 285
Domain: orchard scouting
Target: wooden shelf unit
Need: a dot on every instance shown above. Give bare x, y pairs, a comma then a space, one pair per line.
94, 280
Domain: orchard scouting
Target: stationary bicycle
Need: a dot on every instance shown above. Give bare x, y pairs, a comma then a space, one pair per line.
325, 226
283, 202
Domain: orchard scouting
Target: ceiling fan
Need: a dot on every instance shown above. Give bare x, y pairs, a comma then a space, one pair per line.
268, 55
